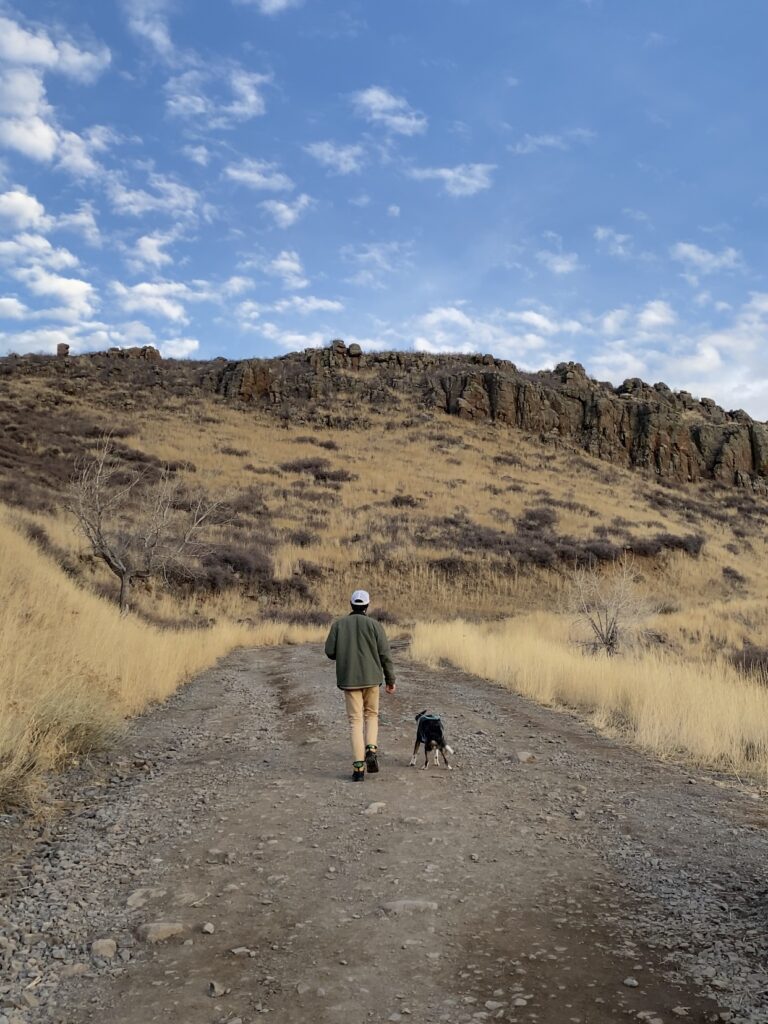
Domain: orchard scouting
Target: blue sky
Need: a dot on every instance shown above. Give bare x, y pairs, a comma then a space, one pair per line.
540, 179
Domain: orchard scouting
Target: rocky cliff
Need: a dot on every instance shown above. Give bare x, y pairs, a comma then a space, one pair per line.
637, 424
647, 426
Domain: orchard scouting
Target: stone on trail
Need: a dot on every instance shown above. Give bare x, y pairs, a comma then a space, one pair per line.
104, 948
159, 931
525, 756
208, 928
375, 808
216, 990
398, 907
631, 982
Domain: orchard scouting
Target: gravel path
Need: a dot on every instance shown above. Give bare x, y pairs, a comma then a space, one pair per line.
586, 885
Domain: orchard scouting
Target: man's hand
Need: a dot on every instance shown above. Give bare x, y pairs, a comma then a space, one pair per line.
390, 687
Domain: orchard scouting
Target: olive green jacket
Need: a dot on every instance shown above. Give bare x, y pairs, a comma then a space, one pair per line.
359, 646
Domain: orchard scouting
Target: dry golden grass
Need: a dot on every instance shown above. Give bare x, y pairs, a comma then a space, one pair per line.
72, 670
702, 710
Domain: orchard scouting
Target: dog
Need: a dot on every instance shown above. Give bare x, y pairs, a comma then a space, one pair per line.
430, 732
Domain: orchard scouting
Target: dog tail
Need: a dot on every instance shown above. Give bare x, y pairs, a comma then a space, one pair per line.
449, 749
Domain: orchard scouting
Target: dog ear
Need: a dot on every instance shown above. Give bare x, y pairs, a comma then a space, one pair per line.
419, 714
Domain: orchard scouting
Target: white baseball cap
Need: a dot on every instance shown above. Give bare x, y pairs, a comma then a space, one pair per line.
360, 597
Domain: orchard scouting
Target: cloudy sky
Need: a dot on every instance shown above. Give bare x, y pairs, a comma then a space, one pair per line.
540, 179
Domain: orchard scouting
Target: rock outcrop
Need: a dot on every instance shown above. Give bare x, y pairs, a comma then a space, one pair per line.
636, 424
670, 434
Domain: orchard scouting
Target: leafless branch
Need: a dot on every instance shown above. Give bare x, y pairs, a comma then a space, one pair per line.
136, 527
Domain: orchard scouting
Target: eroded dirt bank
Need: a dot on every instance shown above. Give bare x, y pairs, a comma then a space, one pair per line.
587, 885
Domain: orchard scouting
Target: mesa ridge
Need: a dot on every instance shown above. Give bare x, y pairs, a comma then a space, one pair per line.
638, 425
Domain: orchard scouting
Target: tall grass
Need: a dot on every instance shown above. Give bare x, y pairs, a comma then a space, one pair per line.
704, 712
72, 670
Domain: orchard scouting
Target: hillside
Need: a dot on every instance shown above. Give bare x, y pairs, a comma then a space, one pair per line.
349, 476
651, 427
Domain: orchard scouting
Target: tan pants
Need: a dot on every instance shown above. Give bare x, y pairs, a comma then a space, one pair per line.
363, 716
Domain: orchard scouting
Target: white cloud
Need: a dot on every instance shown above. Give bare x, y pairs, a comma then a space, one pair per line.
259, 174
285, 214
162, 298
270, 6
188, 96
637, 215
375, 261
618, 361
703, 261
339, 159
36, 49
559, 262
12, 309
247, 314
563, 141
656, 315
179, 348
379, 106
39, 340
288, 267
306, 304
292, 341
617, 244
83, 221
30, 249
393, 210
197, 154
77, 297
75, 154
148, 19
159, 299
19, 209
236, 286
453, 329
463, 180
169, 196
613, 321
25, 115
544, 324
149, 250
27, 120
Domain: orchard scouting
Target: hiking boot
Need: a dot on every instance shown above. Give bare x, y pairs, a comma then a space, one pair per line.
358, 771
371, 759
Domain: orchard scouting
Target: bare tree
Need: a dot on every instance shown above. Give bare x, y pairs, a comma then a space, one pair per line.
609, 607
133, 525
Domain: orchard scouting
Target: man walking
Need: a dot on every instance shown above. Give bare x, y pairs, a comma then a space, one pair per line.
359, 646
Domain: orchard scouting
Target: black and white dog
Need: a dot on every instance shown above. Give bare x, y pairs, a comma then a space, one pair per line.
430, 732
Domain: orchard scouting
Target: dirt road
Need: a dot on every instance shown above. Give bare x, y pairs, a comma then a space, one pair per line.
588, 885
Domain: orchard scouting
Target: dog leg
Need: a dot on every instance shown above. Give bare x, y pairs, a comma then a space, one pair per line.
445, 758
437, 757
426, 757
412, 762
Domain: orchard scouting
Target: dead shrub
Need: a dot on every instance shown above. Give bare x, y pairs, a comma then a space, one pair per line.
752, 661
609, 608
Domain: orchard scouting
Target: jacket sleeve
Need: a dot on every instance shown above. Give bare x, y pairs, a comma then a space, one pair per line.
330, 643
386, 658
